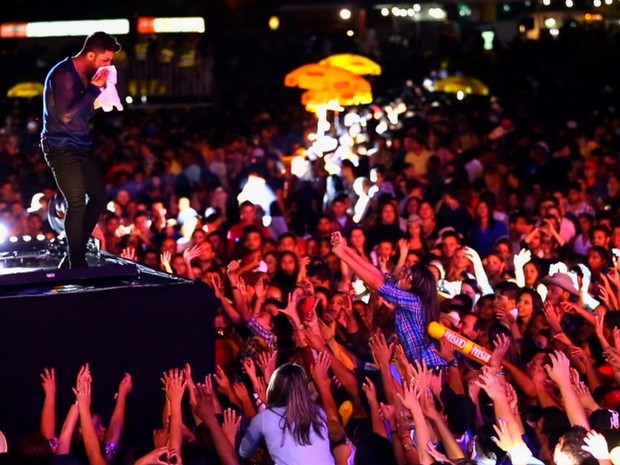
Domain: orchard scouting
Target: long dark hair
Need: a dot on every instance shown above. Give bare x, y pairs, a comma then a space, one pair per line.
424, 285
288, 388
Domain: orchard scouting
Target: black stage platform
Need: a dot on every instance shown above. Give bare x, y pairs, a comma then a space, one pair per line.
117, 315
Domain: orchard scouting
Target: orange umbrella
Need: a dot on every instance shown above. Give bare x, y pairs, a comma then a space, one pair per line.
357, 64
467, 85
26, 90
312, 98
314, 76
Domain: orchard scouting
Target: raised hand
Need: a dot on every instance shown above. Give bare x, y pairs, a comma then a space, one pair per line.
174, 385
338, 242
216, 284
523, 257
552, 316
421, 375
596, 444
250, 368
267, 363
503, 438
472, 255
82, 391
125, 386
409, 397
129, 253
164, 259
83, 374
492, 385
222, 381
320, 369
192, 252
233, 270
427, 402
502, 344
371, 392
291, 309
559, 371
204, 402
231, 424
388, 413
48, 381
381, 351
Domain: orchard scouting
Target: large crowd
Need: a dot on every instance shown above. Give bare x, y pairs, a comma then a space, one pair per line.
498, 225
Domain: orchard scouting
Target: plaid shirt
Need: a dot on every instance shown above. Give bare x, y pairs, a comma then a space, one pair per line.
410, 323
261, 341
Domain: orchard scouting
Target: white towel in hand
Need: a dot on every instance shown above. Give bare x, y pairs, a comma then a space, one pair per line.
108, 98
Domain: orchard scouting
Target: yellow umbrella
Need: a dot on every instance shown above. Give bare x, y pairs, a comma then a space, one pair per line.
321, 77
357, 64
467, 85
312, 98
26, 90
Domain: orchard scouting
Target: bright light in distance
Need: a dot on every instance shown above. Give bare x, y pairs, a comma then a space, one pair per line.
597, 3
417, 7
258, 192
569, 3
396, 11
129, 100
546, 2
460, 95
381, 127
26, 238
345, 14
385, 12
488, 37
13, 239
608, 2
554, 32
299, 166
350, 33
148, 25
40, 237
437, 13
274, 23
550, 23
351, 119
410, 12
76, 28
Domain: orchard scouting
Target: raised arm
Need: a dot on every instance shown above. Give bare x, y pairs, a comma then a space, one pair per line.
115, 429
366, 271
204, 410
48, 414
239, 298
174, 386
68, 428
559, 372
91, 443
479, 271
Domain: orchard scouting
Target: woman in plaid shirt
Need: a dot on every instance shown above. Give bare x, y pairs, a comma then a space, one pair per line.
415, 296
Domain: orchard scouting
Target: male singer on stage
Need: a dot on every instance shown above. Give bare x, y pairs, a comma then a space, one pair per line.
71, 88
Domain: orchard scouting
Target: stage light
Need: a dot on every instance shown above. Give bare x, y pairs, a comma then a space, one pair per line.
345, 14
